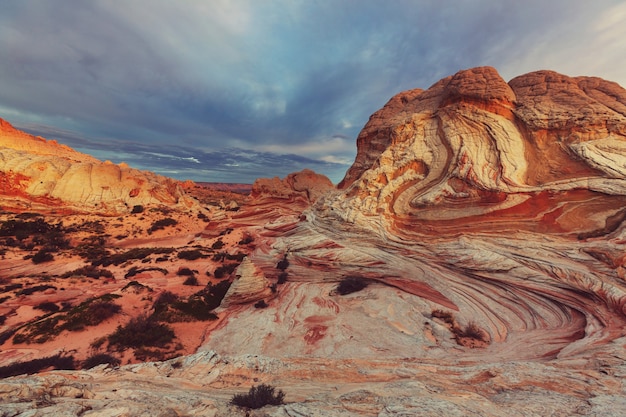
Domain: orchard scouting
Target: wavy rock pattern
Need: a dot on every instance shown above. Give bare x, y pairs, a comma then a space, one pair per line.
500, 203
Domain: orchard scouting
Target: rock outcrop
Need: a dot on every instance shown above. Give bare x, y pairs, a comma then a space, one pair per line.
249, 285
303, 187
487, 220
41, 175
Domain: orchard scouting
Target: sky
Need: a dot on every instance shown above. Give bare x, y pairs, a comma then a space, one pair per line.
230, 91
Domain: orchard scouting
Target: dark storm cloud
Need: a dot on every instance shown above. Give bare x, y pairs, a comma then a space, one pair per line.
282, 78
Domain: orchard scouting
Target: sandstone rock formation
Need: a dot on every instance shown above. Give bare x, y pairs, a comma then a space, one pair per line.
40, 175
475, 204
249, 285
305, 187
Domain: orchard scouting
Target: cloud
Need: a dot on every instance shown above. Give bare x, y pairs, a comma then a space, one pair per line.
280, 77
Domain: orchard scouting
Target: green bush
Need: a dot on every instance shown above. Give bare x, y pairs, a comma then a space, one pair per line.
258, 397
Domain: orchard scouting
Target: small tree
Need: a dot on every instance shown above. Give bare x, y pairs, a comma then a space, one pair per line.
258, 397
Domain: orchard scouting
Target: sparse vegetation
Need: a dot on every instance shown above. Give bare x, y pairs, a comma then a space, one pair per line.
471, 331
259, 396
100, 359
137, 209
34, 289
43, 255
445, 316
48, 307
184, 271
191, 255
90, 313
218, 244
36, 365
129, 255
224, 270
141, 331
191, 280
283, 263
89, 271
134, 271
351, 284
162, 224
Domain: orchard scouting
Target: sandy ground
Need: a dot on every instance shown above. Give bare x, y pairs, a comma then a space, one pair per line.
193, 230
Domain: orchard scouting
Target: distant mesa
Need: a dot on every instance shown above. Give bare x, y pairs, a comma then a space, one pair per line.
304, 187
39, 174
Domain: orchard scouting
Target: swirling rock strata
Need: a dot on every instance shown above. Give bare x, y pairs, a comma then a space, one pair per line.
501, 203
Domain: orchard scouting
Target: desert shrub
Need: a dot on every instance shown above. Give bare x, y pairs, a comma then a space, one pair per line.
258, 397
203, 217
11, 287
184, 271
446, 316
3, 318
137, 209
89, 271
90, 313
471, 331
100, 359
246, 239
283, 263
134, 271
34, 289
191, 280
224, 270
282, 277
165, 298
141, 331
191, 255
48, 307
129, 255
37, 365
218, 244
261, 304
351, 284
92, 252
43, 255
23, 229
236, 257
196, 308
162, 224
213, 294
3, 299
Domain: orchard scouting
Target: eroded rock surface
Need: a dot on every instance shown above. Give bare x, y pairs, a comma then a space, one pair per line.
42, 175
476, 202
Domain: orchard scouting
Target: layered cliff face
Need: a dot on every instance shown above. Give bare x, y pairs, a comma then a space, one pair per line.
42, 175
